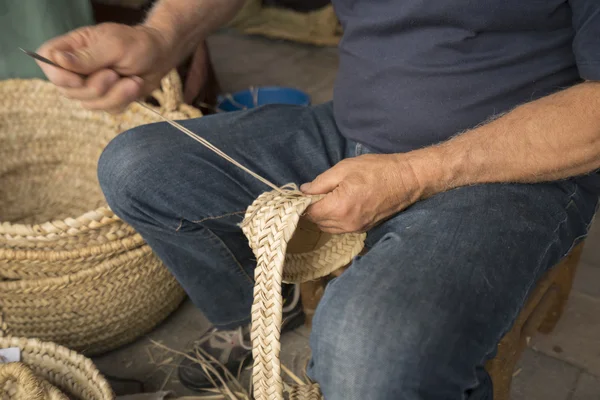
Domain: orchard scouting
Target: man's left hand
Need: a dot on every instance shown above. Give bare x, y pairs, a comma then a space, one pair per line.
362, 191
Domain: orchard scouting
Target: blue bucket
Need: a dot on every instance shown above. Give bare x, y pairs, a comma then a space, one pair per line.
255, 97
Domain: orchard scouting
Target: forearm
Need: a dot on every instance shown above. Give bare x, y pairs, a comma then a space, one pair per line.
552, 138
185, 23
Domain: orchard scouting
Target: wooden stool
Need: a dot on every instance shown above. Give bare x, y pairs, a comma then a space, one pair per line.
541, 312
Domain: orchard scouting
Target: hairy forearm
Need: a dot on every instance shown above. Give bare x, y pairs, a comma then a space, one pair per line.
552, 138
185, 23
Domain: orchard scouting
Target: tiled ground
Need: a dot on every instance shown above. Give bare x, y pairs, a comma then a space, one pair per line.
562, 366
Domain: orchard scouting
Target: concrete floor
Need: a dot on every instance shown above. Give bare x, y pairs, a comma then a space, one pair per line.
562, 366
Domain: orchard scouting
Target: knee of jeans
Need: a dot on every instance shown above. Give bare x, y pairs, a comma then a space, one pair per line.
363, 349
122, 164
350, 352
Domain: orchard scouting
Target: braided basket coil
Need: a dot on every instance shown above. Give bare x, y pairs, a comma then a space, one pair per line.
48, 371
290, 249
71, 271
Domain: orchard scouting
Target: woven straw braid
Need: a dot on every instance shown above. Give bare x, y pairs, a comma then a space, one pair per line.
269, 224
44, 263
306, 392
71, 271
48, 371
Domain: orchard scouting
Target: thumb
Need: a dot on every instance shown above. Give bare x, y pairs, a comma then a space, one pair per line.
84, 60
323, 184
89, 49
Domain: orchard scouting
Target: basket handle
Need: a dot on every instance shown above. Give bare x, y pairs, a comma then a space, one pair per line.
170, 96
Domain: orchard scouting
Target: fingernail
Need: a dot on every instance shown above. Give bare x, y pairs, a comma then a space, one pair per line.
75, 84
132, 86
304, 187
137, 80
67, 55
111, 79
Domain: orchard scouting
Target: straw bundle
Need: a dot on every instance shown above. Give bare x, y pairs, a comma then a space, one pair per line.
70, 270
320, 27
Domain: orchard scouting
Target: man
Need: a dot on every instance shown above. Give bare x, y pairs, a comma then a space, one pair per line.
463, 137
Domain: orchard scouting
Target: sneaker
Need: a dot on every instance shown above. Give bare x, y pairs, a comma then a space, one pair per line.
233, 348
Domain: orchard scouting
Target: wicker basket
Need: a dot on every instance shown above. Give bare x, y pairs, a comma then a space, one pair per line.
50, 372
71, 271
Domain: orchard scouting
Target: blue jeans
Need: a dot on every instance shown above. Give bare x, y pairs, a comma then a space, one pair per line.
414, 318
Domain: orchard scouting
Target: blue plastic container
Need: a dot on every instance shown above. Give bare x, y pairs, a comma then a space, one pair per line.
259, 96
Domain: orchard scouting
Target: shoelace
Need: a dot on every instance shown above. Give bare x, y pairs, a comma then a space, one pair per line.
295, 299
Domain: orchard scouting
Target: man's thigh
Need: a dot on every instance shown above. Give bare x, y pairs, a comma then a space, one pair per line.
440, 285
158, 165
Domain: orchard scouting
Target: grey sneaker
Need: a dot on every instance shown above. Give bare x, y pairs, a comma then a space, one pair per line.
233, 348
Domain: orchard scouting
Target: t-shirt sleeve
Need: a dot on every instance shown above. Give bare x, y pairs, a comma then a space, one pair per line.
586, 44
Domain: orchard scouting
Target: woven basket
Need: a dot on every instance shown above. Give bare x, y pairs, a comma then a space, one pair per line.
50, 372
71, 271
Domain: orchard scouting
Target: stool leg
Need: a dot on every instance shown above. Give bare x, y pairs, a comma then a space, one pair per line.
311, 293
564, 283
501, 367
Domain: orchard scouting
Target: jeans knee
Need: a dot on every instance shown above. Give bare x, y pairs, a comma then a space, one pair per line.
125, 167
364, 347
348, 351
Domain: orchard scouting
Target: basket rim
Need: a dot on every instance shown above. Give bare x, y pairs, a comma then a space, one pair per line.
124, 244
61, 227
170, 98
36, 230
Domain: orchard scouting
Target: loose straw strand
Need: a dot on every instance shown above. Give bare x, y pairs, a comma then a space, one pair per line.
211, 147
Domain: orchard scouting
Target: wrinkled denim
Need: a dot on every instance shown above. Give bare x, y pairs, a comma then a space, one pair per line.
416, 317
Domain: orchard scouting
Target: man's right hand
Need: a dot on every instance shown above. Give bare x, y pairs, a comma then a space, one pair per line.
121, 64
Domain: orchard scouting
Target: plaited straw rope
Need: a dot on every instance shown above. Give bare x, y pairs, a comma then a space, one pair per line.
306, 392
50, 372
270, 224
71, 271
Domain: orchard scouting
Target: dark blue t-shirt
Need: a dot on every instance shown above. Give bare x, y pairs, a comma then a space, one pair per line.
416, 72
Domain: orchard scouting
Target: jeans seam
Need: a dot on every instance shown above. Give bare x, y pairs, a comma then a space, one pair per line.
218, 217
570, 198
242, 270
534, 281
232, 322
237, 320
556, 239
587, 229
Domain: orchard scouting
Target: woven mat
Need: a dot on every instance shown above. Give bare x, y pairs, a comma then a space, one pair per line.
320, 27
